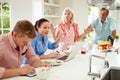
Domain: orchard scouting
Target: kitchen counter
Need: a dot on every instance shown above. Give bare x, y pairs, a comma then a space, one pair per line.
77, 68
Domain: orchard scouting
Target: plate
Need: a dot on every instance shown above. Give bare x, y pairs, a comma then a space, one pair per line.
107, 50
55, 62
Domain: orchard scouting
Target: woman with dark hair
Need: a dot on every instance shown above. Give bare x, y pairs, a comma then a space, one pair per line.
41, 43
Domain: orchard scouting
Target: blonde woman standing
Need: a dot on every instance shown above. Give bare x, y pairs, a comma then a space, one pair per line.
69, 30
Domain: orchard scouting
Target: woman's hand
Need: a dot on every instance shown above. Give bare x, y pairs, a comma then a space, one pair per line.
53, 30
56, 34
86, 31
57, 37
53, 55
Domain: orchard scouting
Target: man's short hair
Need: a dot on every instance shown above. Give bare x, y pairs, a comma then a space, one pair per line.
25, 27
105, 10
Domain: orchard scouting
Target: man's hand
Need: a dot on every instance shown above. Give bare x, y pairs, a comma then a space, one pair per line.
27, 69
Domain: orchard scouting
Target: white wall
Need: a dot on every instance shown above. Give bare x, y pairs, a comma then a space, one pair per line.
81, 13
30, 9
37, 10
66, 3
20, 9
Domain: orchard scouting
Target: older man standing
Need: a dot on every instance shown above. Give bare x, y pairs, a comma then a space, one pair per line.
102, 26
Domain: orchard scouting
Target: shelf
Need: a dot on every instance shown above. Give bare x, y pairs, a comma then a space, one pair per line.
51, 4
51, 10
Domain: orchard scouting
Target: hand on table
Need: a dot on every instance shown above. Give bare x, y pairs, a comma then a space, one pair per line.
27, 69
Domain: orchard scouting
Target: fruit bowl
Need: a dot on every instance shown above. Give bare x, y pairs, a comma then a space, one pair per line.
105, 46
107, 50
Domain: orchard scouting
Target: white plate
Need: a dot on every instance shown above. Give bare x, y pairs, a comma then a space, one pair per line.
55, 62
107, 50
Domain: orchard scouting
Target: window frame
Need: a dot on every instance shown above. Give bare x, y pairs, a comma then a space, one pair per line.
3, 29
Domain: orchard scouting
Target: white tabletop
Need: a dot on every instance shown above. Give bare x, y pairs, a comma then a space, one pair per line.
75, 69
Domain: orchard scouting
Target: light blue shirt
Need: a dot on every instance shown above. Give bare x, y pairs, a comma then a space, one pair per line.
40, 48
103, 30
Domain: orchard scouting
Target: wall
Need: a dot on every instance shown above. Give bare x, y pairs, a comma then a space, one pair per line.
20, 9
66, 3
37, 10
81, 13
25, 9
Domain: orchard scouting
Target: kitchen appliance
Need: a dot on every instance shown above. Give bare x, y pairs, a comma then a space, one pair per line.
100, 2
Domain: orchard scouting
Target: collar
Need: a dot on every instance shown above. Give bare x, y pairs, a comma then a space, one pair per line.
12, 42
64, 23
38, 36
106, 20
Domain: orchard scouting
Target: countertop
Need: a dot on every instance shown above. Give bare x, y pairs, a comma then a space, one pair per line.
77, 68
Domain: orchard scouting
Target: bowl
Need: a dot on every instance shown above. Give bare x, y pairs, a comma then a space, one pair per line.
44, 73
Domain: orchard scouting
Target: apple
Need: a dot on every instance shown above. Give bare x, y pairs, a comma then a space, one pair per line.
104, 47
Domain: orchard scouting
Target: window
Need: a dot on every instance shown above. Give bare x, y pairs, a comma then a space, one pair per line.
115, 14
93, 13
4, 17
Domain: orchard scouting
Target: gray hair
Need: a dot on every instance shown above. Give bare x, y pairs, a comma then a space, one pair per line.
69, 9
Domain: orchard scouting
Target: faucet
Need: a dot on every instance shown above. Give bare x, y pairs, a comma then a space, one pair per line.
117, 50
90, 73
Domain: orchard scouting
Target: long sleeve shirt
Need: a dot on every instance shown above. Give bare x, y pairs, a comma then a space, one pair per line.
40, 47
10, 57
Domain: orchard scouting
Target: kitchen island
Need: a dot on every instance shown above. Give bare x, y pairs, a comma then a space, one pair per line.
77, 68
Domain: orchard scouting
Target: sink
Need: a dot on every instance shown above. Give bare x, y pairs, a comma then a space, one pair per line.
113, 73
